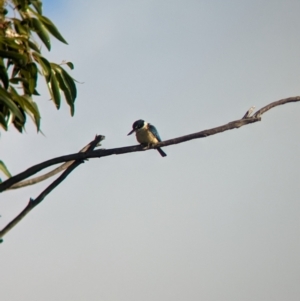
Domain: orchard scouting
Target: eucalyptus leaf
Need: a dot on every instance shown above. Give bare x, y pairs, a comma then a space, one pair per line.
3, 74
3, 121
18, 123
35, 92
53, 87
33, 46
4, 169
23, 4
46, 67
71, 65
37, 5
31, 108
27, 104
19, 27
66, 90
5, 98
15, 43
68, 80
37, 117
32, 79
15, 71
52, 28
16, 80
41, 31
18, 57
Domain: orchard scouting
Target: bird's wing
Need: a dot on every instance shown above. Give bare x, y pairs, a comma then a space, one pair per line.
154, 131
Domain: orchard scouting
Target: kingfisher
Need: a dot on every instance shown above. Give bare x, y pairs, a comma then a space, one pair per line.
146, 134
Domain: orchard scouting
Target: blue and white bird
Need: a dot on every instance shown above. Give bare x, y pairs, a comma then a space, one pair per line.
146, 134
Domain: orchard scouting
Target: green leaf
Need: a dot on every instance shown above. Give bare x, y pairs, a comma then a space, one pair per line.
35, 92
52, 28
5, 98
28, 77
3, 121
37, 5
46, 67
12, 43
20, 27
37, 117
16, 80
23, 5
4, 169
67, 84
15, 71
70, 83
18, 57
70, 64
3, 74
31, 108
18, 123
53, 87
4, 77
65, 88
25, 75
33, 46
28, 105
32, 80
41, 31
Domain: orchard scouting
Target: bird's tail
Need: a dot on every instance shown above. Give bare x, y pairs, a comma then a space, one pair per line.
162, 153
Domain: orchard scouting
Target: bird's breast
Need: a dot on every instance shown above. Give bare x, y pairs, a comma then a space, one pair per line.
144, 136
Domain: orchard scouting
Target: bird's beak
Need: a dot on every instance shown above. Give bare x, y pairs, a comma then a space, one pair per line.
131, 132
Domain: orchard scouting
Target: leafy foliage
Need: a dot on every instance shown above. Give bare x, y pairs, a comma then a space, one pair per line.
21, 63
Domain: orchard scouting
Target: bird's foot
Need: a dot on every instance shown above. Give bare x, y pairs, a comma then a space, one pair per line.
146, 145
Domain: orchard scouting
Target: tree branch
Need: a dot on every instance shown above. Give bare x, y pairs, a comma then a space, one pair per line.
138, 148
33, 203
275, 104
75, 160
121, 150
48, 174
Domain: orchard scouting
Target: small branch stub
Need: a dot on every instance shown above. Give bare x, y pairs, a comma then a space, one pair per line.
249, 112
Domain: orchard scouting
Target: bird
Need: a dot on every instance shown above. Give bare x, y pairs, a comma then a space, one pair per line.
146, 134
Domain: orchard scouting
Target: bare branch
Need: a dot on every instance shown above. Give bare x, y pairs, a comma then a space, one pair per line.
138, 148
33, 203
275, 104
42, 177
48, 174
229, 126
74, 160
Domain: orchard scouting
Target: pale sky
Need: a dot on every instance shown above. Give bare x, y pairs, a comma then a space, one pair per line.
218, 218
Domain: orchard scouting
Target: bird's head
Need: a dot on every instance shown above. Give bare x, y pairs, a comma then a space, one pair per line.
137, 125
